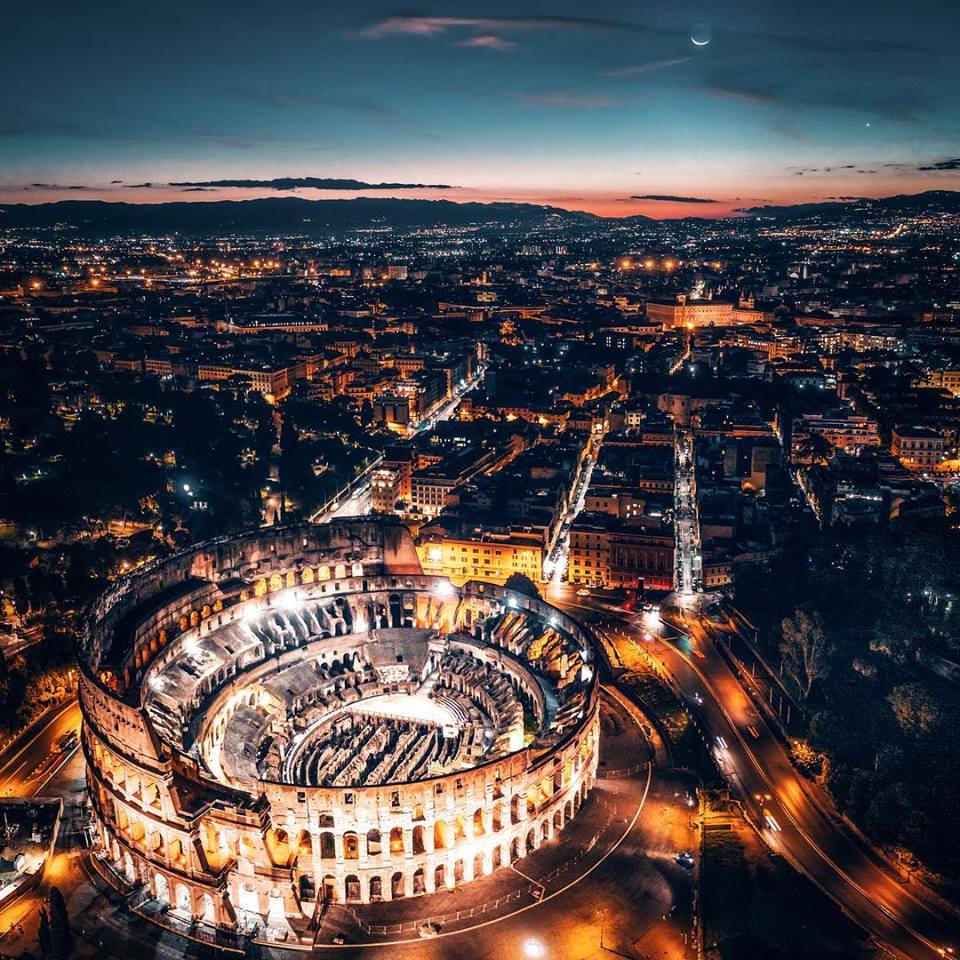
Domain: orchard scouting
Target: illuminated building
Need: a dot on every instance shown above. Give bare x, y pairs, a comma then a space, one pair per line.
682, 312
917, 448
845, 432
300, 714
606, 551
484, 554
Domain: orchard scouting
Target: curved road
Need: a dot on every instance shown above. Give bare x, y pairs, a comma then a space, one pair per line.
29, 761
793, 819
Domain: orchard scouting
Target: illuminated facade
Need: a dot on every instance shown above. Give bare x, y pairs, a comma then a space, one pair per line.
300, 715
487, 556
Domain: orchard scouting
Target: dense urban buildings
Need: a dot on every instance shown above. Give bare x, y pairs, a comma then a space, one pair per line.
380, 558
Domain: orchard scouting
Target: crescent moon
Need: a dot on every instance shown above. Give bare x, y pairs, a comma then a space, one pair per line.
698, 43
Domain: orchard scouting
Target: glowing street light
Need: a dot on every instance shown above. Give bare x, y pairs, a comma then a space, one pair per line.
534, 948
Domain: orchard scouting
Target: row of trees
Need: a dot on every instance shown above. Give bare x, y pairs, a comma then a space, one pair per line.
865, 626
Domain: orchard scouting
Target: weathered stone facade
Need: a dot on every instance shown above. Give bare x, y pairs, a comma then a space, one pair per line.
281, 630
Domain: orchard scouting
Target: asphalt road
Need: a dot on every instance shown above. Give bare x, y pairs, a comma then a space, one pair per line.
33, 758
795, 819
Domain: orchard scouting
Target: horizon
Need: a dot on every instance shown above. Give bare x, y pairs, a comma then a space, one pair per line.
694, 111
735, 214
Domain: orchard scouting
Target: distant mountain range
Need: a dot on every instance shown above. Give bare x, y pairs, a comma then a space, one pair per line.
279, 215
293, 215
944, 201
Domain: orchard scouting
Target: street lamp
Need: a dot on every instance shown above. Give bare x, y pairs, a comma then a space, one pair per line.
534, 948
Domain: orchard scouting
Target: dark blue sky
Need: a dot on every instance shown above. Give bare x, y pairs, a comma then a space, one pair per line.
581, 104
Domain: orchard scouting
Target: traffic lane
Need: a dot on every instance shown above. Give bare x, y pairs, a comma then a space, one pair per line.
876, 900
820, 845
16, 772
847, 852
789, 840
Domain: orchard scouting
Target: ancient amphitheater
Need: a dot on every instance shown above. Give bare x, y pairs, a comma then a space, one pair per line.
299, 715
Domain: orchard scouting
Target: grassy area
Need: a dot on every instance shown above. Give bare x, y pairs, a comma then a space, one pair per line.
754, 905
658, 701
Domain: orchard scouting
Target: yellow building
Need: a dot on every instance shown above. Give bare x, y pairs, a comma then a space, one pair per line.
480, 555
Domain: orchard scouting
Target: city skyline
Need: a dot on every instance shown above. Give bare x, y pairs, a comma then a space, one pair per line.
702, 109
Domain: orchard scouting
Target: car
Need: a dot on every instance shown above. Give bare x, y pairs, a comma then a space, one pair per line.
685, 859
583, 592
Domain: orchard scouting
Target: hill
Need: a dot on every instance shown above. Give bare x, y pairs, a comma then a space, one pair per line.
280, 215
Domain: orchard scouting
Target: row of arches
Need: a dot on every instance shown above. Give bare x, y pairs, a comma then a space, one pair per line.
400, 841
442, 876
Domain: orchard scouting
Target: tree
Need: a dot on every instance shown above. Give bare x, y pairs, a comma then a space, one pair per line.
520, 583
805, 653
917, 710
814, 449
46, 944
61, 940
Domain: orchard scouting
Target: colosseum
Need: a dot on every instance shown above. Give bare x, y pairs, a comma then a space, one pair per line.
299, 715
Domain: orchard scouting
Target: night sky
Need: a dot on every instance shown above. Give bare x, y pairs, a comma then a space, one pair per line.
583, 105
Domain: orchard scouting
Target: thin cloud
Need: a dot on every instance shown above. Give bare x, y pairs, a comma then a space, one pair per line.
489, 41
652, 67
311, 183
669, 198
952, 164
433, 26
566, 98
57, 186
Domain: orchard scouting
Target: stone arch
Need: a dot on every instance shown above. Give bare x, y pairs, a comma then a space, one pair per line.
161, 888
442, 838
514, 849
396, 842
478, 870
458, 871
376, 888
558, 820
305, 887
419, 881
515, 808
351, 846
328, 846
497, 819
478, 826
459, 829
184, 901
496, 858
351, 887
417, 840
374, 842
397, 890
545, 831
568, 811
208, 910
304, 844
440, 877
156, 845
329, 888
531, 840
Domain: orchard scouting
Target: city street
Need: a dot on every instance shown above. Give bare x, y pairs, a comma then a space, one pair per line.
794, 819
32, 758
688, 576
